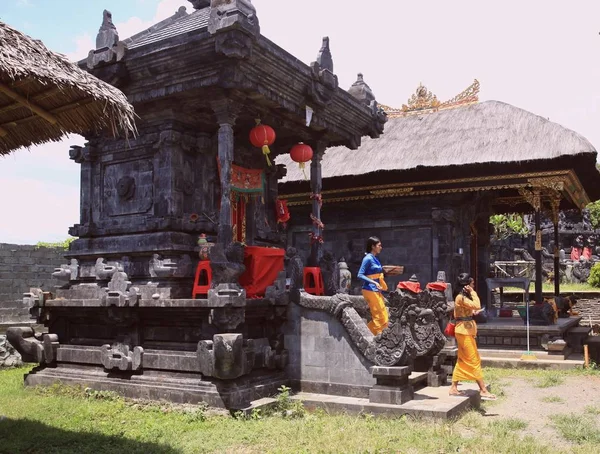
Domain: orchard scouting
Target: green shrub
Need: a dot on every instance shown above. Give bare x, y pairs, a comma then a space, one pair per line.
59, 244
594, 279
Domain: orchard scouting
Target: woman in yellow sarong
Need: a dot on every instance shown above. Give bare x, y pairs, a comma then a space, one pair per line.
468, 366
371, 273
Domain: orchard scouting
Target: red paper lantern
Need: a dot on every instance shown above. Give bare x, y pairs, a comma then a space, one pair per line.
262, 136
301, 153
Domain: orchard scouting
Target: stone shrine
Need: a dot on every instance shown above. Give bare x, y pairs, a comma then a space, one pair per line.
122, 315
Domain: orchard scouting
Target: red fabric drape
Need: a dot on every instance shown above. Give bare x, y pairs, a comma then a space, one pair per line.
263, 264
238, 216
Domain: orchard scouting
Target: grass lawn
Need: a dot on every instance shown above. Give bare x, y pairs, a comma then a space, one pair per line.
548, 287
73, 420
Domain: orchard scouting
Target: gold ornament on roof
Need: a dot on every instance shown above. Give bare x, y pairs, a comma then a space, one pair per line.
424, 101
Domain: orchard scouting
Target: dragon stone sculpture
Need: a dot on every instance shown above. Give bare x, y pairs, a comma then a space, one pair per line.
414, 328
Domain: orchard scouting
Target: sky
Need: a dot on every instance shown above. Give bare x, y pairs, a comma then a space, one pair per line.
539, 55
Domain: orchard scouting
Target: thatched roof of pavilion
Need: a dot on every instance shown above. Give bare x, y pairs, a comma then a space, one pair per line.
483, 133
44, 96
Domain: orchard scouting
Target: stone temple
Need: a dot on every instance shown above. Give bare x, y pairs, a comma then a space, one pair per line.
136, 311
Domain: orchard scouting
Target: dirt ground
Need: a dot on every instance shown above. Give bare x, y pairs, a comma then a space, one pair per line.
525, 401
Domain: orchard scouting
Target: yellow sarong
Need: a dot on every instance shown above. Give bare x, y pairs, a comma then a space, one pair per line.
468, 366
379, 313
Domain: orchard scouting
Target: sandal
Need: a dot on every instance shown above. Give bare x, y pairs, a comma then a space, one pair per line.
488, 396
458, 394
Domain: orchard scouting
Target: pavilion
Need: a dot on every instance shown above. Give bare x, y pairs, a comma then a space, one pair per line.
428, 186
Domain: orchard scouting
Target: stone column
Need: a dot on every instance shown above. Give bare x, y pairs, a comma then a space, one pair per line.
316, 185
226, 112
84, 156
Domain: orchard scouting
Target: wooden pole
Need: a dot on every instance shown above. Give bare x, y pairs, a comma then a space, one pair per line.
586, 356
538, 256
25, 102
316, 185
556, 261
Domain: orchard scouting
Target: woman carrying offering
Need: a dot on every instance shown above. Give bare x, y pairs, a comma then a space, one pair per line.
371, 273
468, 366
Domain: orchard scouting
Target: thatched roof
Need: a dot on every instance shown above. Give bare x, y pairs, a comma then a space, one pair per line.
488, 132
43, 96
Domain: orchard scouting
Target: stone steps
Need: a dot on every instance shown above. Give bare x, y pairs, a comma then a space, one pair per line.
428, 402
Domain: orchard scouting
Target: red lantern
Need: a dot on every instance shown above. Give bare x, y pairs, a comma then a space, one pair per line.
262, 136
301, 153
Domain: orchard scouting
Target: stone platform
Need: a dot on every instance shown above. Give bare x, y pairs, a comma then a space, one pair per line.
161, 385
428, 402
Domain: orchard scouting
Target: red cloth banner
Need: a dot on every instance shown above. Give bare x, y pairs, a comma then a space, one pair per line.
263, 264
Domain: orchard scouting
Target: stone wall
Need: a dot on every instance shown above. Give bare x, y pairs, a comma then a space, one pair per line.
23, 267
322, 358
415, 233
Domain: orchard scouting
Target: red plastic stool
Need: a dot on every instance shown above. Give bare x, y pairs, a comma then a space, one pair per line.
313, 281
204, 275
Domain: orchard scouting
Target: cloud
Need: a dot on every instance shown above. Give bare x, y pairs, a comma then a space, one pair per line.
42, 211
166, 8
24, 3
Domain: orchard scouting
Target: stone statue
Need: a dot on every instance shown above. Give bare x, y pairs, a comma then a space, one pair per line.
294, 268
345, 277
107, 35
328, 270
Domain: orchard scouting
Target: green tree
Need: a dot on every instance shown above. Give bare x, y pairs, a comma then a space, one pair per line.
594, 209
508, 224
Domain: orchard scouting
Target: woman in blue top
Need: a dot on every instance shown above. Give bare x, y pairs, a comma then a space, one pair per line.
371, 273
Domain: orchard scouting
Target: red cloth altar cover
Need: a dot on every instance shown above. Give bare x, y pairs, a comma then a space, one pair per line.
262, 266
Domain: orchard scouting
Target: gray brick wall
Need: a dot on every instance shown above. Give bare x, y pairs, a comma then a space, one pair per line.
21, 268
322, 357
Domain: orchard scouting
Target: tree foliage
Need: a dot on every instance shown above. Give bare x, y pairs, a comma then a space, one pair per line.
508, 224
59, 244
594, 209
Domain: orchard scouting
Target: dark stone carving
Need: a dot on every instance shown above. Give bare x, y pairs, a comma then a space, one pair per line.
277, 292
226, 357
160, 268
67, 273
329, 270
229, 356
107, 35
126, 188
361, 91
233, 14
34, 348
227, 265
228, 318
108, 47
324, 58
234, 44
120, 357
104, 271
393, 386
119, 292
414, 328
200, 4
294, 268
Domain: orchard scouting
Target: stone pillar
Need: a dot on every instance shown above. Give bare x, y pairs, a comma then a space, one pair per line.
226, 112
316, 185
84, 156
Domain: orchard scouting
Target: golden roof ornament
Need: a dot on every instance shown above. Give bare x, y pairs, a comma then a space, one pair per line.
423, 101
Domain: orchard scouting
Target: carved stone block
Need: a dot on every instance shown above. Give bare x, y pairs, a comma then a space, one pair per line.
120, 357
225, 357
392, 385
34, 348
